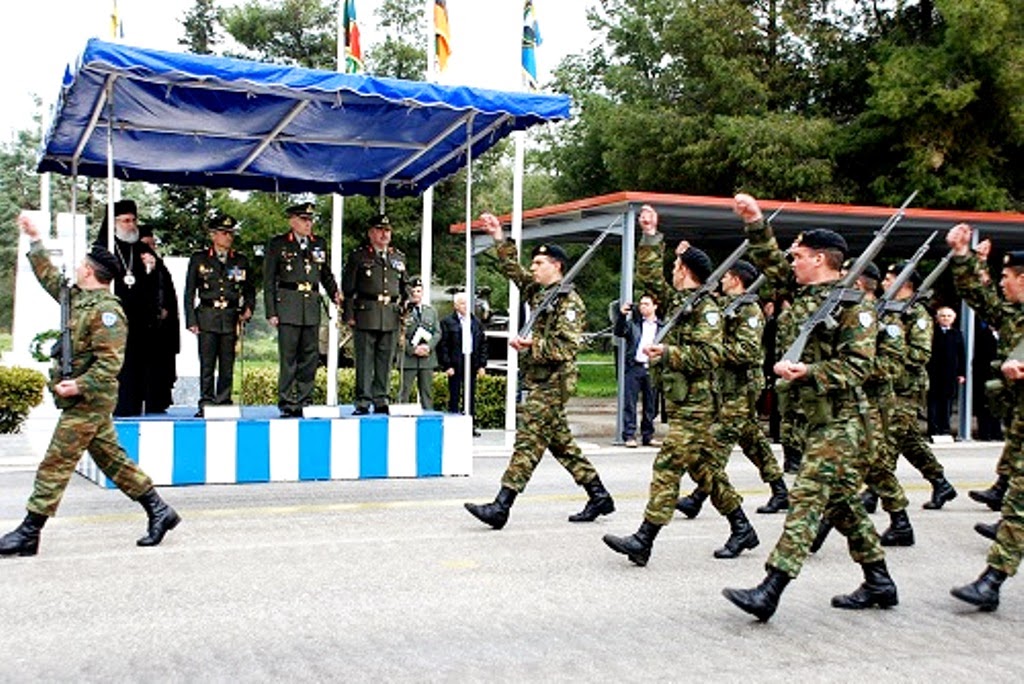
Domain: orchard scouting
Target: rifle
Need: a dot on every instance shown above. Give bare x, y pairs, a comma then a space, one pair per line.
706, 288
925, 290
888, 301
564, 286
844, 292
749, 296
65, 328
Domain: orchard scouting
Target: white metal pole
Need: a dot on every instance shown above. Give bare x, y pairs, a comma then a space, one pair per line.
337, 211
512, 372
467, 330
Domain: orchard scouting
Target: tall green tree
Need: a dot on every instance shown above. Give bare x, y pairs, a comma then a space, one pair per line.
299, 32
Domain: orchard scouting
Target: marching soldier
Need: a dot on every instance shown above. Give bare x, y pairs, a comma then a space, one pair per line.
86, 399
296, 265
422, 332
219, 294
374, 286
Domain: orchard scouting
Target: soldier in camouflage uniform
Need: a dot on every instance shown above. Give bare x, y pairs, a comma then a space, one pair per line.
825, 386
739, 383
685, 371
219, 295
548, 359
910, 385
86, 399
1007, 316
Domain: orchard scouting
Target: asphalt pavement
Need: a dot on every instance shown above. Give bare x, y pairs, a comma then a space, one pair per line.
392, 580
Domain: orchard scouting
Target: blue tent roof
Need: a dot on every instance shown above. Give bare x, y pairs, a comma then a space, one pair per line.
221, 122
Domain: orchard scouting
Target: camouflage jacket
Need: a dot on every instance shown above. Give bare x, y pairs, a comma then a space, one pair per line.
890, 355
911, 377
742, 350
99, 331
1006, 317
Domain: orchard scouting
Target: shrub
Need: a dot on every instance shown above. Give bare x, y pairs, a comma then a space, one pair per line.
21, 389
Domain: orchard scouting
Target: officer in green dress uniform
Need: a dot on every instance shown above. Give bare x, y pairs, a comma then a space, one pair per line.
374, 285
219, 294
296, 264
421, 333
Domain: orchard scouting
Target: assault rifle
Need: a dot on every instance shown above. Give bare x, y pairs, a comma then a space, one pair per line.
888, 302
925, 289
749, 296
564, 286
706, 288
844, 291
64, 345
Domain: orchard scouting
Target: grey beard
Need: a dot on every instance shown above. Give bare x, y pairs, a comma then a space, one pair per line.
131, 238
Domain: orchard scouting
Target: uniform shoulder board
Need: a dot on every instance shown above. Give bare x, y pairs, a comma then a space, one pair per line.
865, 318
109, 318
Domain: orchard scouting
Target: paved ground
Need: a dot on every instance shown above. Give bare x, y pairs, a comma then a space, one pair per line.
393, 580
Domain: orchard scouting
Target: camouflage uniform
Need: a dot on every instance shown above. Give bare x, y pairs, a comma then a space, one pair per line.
829, 408
685, 374
1008, 318
98, 334
549, 379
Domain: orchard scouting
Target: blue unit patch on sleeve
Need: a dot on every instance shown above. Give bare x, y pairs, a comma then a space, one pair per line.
109, 318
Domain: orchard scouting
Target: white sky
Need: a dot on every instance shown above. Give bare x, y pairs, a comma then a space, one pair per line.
45, 35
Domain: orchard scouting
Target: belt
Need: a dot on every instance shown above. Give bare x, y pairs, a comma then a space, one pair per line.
301, 287
383, 299
216, 304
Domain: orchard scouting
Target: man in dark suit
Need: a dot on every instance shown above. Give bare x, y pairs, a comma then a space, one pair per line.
946, 370
451, 358
296, 264
638, 326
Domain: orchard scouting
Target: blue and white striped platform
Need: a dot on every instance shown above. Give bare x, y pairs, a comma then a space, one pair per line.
177, 449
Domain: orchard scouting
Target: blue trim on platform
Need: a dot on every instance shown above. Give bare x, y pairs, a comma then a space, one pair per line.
429, 443
189, 453
315, 450
252, 451
373, 447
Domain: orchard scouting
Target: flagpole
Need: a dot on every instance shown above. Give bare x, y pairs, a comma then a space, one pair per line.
337, 212
427, 229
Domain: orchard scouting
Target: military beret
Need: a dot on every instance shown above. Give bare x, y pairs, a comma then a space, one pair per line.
1013, 258
125, 206
822, 238
304, 209
897, 268
698, 262
415, 281
745, 271
104, 265
870, 271
379, 221
224, 223
553, 251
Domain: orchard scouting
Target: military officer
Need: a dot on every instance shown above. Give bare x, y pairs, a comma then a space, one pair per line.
374, 283
548, 358
86, 399
421, 333
219, 294
296, 265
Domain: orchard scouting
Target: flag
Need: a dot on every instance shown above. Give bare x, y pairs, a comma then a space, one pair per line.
116, 27
442, 38
353, 50
531, 39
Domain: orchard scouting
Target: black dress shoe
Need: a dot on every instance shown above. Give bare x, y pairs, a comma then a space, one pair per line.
291, 413
361, 411
199, 413
381, 409
476, 433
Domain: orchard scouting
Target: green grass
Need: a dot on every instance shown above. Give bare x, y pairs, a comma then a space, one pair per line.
5, 342
597, 375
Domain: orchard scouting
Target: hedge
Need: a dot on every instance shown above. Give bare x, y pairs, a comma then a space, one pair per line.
21, 389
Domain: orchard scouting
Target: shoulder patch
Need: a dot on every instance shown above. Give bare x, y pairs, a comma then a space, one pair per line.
570, 314
753, 322
892, 330
922, 323
712, 318
109, 318
866, 319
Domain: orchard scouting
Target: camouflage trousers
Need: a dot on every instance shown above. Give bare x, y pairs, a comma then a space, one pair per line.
880, 476
542, 424
830, 477
737, 424
1006, 551
910, 441
80, 428
690, 448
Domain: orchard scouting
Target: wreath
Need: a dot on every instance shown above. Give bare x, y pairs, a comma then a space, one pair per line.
42, 343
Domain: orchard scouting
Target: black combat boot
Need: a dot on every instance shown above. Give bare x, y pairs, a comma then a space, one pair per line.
900, 533
982, 592
779, 500
819, 539
878, 589
993, 496
762, 600
988, 530
599, 502
791, 459
162, 518
636, 546
741, 536
24, 539
690, 505
495, 514
942, 492
869, 500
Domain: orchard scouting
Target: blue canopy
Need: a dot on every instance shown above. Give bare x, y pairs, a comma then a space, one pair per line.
222, 122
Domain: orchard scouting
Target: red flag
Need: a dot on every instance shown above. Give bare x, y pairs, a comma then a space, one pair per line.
353, 50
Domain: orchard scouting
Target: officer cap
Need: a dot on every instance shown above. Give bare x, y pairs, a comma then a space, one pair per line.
552, 251
745, 271
379, 221
822, 238
304, 209
415, 281
125, 206
104, 265
1015, 258
897, 268
698, 262
223, 222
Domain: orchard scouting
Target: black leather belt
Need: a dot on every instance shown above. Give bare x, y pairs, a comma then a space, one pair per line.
301, 287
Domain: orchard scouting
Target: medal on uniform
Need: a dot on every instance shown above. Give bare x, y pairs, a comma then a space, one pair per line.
129, 279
